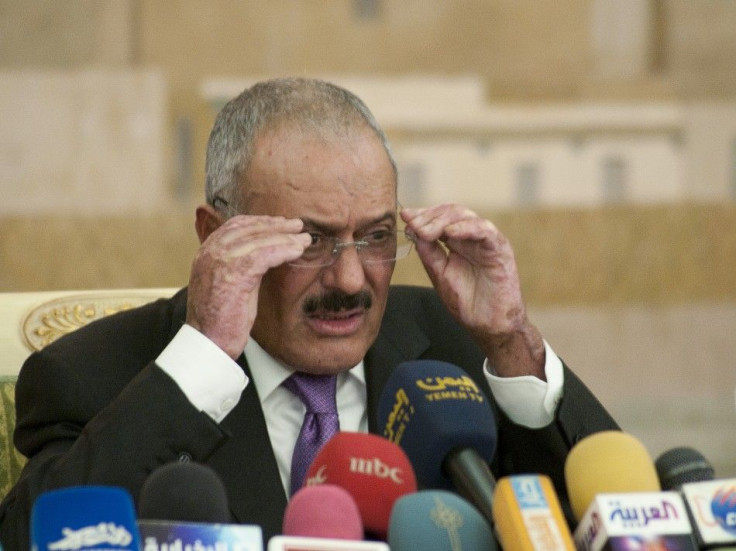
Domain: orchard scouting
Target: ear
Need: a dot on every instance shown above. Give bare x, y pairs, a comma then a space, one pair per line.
207, 220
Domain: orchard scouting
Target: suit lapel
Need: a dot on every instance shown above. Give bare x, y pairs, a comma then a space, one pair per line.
247, 464
399, 340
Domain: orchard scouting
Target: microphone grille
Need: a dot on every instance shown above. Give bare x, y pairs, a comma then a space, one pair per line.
184, 492
681, 465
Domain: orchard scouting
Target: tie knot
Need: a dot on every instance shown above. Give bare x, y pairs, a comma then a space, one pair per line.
317, 392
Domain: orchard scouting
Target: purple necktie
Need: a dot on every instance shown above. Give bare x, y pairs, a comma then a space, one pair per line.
317, 393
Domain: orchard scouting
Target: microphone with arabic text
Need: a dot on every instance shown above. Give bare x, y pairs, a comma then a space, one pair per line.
373, 470
437, 520
710, 502
615, 493
184, 503
444, 423
84, 517
323, 517
528, 515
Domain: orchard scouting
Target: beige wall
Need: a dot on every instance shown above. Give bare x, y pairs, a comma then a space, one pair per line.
640, 301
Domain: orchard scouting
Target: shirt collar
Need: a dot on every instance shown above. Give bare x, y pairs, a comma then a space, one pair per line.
268, 373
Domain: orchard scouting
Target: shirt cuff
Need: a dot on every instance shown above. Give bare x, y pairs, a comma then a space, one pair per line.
527, 400
208, 377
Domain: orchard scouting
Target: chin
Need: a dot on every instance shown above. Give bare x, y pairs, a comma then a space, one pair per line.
330, 358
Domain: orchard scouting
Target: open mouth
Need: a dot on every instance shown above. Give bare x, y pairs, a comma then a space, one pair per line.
344, 322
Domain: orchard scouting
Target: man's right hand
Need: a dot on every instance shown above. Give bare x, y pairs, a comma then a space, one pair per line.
227, 270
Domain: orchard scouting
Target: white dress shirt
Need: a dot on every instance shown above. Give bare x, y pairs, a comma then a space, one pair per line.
216, 390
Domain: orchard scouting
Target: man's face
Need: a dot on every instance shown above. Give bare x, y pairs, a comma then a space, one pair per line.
318, 319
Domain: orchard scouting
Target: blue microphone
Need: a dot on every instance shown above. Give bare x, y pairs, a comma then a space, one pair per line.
437, 520
444, 423
84, 518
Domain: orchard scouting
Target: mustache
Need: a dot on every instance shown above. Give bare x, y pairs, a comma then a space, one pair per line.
336, 301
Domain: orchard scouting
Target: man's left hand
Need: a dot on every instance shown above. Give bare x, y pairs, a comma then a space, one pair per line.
471, 265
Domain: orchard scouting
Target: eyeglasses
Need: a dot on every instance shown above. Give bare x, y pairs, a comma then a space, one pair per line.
379, 246
376, 247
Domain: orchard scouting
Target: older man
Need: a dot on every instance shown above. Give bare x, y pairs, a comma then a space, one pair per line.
299, 238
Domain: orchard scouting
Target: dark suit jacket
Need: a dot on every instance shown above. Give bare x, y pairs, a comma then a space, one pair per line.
93, 408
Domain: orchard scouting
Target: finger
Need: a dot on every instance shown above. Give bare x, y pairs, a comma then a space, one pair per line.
430, 223
434, 259
243, 226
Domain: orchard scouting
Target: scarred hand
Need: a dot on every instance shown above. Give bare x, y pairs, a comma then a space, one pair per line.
471, 265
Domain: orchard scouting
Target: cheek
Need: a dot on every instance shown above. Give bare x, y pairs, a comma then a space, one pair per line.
379, 277
283, 291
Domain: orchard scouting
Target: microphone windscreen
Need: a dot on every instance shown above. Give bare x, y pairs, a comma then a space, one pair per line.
607, 462
84, 517
438, 520
323, 511
681, 465
185, 492
431, 408
373, 470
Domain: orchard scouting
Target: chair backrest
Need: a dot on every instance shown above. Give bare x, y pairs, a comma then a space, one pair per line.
31, 321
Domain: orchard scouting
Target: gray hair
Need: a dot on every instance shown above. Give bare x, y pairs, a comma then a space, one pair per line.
305, 104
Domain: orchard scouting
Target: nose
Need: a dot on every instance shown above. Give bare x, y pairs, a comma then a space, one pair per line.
346, 273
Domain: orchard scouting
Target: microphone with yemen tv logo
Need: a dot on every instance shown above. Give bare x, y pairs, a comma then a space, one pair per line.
185, 504
614, 491
372, 469
528, 515
438, 520
444, 423
84, 517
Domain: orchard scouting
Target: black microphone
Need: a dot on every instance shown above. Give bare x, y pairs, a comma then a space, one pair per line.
710, 502
681, 465
185, 504
187, 492
444, 423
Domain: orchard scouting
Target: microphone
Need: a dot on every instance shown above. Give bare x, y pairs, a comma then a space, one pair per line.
438, 520
444, 423
711, 503
181, 504
323, 511
528, 515
323, 518
678, 466
184, 492
373, 470
712, 507
611, 475
607, 462
84, 517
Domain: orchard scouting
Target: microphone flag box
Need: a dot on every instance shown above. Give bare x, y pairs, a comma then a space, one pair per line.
712, 507
638, 520
159, 535
84, 518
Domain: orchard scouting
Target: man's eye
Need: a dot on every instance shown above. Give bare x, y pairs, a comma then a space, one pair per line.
318, 240
378, 237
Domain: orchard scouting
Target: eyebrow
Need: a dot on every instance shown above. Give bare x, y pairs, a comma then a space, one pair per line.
327, 229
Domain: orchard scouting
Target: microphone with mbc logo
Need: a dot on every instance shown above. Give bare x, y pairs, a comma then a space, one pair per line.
372, 469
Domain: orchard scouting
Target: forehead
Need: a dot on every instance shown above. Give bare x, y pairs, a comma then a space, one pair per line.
331, 177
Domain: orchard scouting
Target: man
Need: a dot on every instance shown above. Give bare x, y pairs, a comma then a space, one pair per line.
299, 238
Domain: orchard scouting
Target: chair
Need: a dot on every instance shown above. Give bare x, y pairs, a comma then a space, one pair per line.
31, 321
